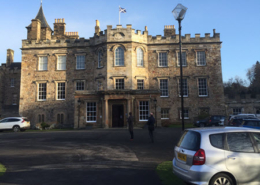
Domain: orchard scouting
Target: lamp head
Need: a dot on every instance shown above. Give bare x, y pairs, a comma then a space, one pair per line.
179, 12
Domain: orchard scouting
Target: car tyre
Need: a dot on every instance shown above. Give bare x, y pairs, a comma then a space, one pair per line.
222, 179
16, 129
202, 125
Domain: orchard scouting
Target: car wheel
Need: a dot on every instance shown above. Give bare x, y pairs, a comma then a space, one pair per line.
16, 129
222, 179
201, 124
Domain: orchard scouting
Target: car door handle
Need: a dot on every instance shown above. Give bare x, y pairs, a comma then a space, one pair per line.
231, 157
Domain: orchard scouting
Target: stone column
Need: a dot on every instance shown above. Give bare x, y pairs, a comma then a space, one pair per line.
106, 113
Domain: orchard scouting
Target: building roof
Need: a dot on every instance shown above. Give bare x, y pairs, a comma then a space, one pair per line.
42, 18
15, 65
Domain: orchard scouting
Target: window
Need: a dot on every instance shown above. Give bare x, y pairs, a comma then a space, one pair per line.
14, 101
143, 110
100, 55
186, 114
61, 62
43, 63
42, 91
184, 87
80, 63
256, 137
239, 142
203, 91
237, 111
190, 140
61, 91
140, 57
40, 118
119, 56
217, 140
120, 83
12, 82
183, 55
140, 84
80, 85
164, 87
60, 118
201, 59
164, 113
99, 86
163, 62
91, 112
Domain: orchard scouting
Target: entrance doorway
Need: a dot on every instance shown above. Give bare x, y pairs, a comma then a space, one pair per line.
117, 115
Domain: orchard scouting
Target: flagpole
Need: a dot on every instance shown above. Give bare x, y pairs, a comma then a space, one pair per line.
119, 14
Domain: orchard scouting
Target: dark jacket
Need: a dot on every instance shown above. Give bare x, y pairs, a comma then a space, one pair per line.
151, 122
130, 123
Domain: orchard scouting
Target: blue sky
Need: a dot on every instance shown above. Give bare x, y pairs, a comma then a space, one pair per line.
237, 21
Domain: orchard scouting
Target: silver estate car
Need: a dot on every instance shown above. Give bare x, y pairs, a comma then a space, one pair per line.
218, 156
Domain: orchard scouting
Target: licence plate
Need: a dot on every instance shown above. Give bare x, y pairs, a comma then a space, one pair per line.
182, 157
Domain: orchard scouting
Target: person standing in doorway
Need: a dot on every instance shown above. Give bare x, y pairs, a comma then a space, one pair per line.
150, 124
130, 125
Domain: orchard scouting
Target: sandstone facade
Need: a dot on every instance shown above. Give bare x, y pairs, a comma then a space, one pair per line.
73, 80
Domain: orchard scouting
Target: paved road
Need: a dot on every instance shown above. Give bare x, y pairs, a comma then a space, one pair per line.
98, 156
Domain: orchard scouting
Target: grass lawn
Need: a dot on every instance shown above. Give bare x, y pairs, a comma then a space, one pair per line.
49, 130
2, 169
164, 170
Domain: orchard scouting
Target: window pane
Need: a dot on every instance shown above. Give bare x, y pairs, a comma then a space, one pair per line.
61, 91
217, 140
12, 82
91, 112
201, 61
237, 111
164, 87
61, 63
120, 83
14, 99
239, 142
184, 87
143, 110
43, 63
119, 56
183, 55
140, 84
164, 113
203, 87
42, 91
163, 60
140, 57
256, 136
80, 62
80, 85
100, 54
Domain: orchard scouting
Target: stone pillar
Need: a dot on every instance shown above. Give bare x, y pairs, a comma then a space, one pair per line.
106, 113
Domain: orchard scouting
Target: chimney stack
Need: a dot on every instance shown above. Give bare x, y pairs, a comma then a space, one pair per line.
9, 57
97, 28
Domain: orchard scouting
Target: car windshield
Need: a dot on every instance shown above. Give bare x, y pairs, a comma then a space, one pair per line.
3, 120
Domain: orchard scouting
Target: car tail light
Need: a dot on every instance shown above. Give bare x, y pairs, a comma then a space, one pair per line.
199, 158
23, 120
210, 120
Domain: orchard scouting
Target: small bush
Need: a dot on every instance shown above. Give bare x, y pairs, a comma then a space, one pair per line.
44, 126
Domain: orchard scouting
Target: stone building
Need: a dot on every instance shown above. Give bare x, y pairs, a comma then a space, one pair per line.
68, 79
10, 76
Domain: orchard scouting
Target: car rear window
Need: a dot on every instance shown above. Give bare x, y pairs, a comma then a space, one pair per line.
190, 140
217, 140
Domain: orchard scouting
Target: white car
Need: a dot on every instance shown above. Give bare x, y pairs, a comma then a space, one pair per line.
14, 123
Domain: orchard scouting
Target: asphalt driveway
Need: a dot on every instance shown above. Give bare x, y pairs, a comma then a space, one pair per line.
98, 156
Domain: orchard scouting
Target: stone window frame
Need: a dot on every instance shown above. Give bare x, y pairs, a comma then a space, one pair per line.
158, 58
165, 111
115, 85
100, 86
56, 89
113, 49
76, 56
57, 61
41, 118
12, 82
96, 111
80, 80
238, 110
141, 85
187, 113
196, 58
159, 83
59, 115
137, 54
177, 57
147, 110
38, 61
100, 57
179, 87
117, 49
37, 84
207, 87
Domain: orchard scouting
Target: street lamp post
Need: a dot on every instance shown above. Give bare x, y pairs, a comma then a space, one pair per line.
155, 102
179, 12
79, 102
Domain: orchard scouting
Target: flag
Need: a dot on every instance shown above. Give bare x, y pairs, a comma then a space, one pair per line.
122, 10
